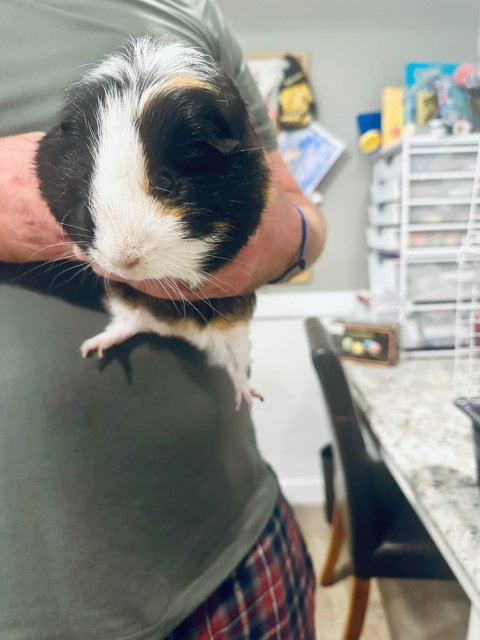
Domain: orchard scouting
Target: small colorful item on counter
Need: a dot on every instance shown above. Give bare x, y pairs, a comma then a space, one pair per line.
358, 348
373, 347
368, 343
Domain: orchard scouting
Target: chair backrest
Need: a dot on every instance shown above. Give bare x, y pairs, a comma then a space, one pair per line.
354, 491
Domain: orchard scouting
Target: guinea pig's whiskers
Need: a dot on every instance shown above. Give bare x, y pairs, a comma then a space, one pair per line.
46, 265
246, 150
217, 280
181, 296
219, 283
68, 212
107, 281
184, 298
76, 268
164, 292
235, 260
205, 300
74, 226
50, 246
173, 300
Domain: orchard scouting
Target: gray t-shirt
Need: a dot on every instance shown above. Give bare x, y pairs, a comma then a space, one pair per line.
47, 44
123, 505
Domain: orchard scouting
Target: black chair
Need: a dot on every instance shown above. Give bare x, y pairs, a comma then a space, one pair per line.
385, 537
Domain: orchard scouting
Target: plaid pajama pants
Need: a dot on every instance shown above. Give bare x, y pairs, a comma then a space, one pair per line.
269, 596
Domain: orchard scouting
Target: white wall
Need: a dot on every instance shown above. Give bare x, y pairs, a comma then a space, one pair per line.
292, 423
355, 49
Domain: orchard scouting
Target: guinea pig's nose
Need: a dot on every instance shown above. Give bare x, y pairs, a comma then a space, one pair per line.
130, 264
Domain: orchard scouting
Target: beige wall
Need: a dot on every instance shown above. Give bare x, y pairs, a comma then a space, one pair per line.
355, 48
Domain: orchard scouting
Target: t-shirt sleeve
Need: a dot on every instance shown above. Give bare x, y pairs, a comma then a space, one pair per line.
227, 51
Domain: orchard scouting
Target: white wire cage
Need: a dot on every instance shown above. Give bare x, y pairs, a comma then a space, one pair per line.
467, 327
467, 322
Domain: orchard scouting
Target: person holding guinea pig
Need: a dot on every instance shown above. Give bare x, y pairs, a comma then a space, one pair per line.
134, 501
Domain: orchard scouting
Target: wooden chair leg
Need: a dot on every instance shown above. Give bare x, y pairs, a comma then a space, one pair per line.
358, 608
337, 537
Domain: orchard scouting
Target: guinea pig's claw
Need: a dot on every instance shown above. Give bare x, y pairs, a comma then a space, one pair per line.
94, 344
247, 393
85, 351
257, 395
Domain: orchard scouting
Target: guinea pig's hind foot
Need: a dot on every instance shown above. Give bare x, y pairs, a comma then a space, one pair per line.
246, 392
111, 336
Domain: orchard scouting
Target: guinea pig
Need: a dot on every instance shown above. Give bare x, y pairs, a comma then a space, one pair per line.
155, 171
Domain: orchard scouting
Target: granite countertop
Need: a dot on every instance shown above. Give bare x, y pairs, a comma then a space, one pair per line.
428, 445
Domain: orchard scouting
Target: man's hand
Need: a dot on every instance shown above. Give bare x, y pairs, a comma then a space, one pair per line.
28, 230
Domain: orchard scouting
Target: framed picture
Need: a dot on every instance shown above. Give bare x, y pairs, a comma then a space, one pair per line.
307, 148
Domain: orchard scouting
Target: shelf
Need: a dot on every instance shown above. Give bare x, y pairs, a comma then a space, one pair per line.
418, 176
423, 255
413, 307
434, 202
431, 253
424, 354
441, 175
413, 177
436, 226
429, 144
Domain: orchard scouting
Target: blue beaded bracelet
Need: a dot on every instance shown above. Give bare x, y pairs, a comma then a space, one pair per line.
301, 262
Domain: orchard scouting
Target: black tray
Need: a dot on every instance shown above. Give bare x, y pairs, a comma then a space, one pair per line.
472, 409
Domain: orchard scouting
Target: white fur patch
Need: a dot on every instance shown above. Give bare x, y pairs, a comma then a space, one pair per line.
227, 347
147, 60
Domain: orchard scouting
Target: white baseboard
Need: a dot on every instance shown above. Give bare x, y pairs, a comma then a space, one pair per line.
303, 490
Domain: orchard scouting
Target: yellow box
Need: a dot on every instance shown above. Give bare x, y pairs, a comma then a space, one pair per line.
392, 115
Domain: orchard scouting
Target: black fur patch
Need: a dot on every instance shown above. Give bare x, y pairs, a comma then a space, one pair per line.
64, 159
202, 312
205, 142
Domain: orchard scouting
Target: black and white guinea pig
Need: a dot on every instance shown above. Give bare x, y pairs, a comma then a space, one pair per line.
155, 171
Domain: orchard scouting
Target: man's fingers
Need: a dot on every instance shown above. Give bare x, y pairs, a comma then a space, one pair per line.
79, 255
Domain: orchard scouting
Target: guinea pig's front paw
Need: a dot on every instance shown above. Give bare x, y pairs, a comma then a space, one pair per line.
243, 391
103, 341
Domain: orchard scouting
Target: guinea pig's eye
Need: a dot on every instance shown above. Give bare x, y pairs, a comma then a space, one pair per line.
164, 182
66, 126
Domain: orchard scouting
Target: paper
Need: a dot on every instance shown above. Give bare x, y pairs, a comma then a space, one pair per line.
309, 153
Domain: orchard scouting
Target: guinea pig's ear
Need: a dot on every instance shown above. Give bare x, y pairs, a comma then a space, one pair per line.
223, 145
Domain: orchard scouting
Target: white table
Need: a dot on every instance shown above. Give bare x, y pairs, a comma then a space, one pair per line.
427, 444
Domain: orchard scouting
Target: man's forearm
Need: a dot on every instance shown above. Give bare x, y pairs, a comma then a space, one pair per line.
28, 230
285, 196
316, 228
